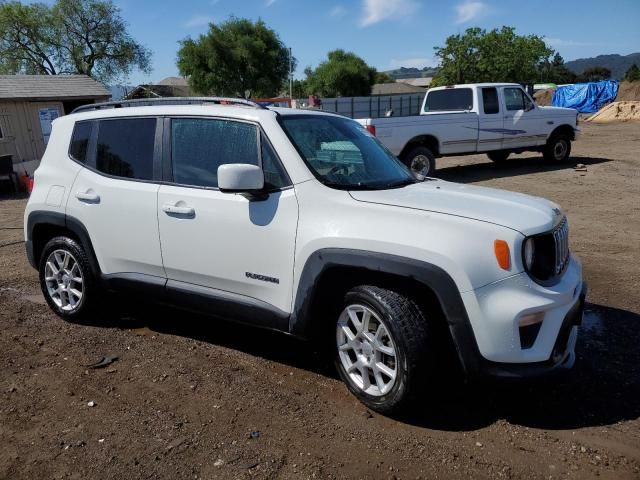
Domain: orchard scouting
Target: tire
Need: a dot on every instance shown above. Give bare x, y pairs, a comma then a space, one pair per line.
498, 156
558, 149
66, 279
421, 161
408, 335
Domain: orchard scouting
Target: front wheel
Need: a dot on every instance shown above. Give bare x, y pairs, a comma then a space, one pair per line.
558, 149
421, 161
384, 350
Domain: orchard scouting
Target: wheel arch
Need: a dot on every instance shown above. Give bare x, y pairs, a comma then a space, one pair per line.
564, 129
42, 226
428, 141
329, 273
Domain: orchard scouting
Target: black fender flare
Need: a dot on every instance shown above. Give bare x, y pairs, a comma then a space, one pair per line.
431, 276
57, 219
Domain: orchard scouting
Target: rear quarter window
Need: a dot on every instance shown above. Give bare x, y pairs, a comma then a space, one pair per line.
450, 99
80, 141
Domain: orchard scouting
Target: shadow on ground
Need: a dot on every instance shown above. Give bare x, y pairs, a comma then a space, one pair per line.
602, 389
513, 167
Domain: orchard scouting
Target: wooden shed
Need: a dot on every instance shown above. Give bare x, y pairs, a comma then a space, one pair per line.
28, 106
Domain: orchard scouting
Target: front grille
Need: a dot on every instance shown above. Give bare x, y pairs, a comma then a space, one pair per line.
551, 253
561, 239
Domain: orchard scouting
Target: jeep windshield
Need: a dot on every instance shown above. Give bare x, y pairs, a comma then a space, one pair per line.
343, 155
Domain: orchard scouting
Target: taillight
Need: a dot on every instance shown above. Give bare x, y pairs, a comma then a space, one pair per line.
371, 129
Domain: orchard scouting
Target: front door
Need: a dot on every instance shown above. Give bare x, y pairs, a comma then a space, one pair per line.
226, 242
521, 120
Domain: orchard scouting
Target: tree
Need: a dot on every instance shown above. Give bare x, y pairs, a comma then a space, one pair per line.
494, 56
343, 74
234, 57
595, 74
554, 71
73, 36
633, 74
383, 77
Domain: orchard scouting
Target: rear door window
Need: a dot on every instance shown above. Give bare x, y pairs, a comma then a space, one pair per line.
490, 104
450, 99
125, 147
199, 146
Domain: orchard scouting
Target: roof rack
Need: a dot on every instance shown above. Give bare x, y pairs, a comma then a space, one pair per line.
146, 102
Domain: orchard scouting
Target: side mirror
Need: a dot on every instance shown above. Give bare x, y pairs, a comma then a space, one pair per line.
240, 177
530, 106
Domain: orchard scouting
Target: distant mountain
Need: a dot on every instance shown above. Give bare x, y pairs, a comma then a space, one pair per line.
412, 72
618, 64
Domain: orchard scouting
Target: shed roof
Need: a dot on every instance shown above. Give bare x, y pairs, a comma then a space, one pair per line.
51, 87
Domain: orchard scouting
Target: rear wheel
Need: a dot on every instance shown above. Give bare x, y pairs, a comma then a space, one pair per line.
421, 161
558, 148
384, 350
498, 156
66, 279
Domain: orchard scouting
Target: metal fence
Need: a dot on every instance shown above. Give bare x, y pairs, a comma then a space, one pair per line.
402, 105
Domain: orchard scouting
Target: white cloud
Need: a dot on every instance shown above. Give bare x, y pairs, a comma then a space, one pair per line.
198, 21
559, 42
375, 11
415, 62
268, 3
470, 10
338, 11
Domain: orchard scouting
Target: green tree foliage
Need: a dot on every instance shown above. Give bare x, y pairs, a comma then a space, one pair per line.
234, 57
72, 36
594, 74
554, 71
498, 55
383, 77
633, 74
343, 74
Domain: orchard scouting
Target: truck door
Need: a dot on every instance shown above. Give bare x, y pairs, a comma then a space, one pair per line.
521, 120
491, 127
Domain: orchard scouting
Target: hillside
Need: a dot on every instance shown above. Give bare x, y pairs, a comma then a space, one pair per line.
404, 72
618, 64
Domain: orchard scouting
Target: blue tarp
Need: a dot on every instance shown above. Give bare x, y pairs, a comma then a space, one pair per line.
586, 97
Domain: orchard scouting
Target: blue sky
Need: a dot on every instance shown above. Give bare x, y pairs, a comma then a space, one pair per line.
386, 33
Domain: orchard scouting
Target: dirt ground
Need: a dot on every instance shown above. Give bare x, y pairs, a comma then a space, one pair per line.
187, 392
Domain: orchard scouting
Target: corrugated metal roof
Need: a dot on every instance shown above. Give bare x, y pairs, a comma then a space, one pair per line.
48, 87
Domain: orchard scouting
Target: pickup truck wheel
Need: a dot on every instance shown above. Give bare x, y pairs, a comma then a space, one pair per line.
498, 156
66, 279
558, 148
383, 347
421, 161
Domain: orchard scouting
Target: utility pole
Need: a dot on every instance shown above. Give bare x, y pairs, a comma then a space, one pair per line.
290, 75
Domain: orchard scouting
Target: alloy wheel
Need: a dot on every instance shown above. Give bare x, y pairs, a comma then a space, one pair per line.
366, 350
64, 280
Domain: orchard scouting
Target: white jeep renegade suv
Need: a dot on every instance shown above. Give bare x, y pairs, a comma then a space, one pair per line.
302, 222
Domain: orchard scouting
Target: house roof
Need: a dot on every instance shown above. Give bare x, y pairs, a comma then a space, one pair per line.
51, 87
395, 87
175, 81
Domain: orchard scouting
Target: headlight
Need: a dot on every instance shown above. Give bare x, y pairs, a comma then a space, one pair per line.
529, 253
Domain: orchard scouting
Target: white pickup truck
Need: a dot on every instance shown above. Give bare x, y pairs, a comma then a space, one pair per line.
493, 118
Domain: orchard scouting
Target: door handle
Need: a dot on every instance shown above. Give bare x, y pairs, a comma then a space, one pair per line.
88, 196
178, 210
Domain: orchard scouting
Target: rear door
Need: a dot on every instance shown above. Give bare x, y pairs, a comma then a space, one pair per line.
521, 120
491, 128
115, 196
456, 119
225, 242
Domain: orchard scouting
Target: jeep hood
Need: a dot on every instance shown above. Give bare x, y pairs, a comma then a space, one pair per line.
523, 213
